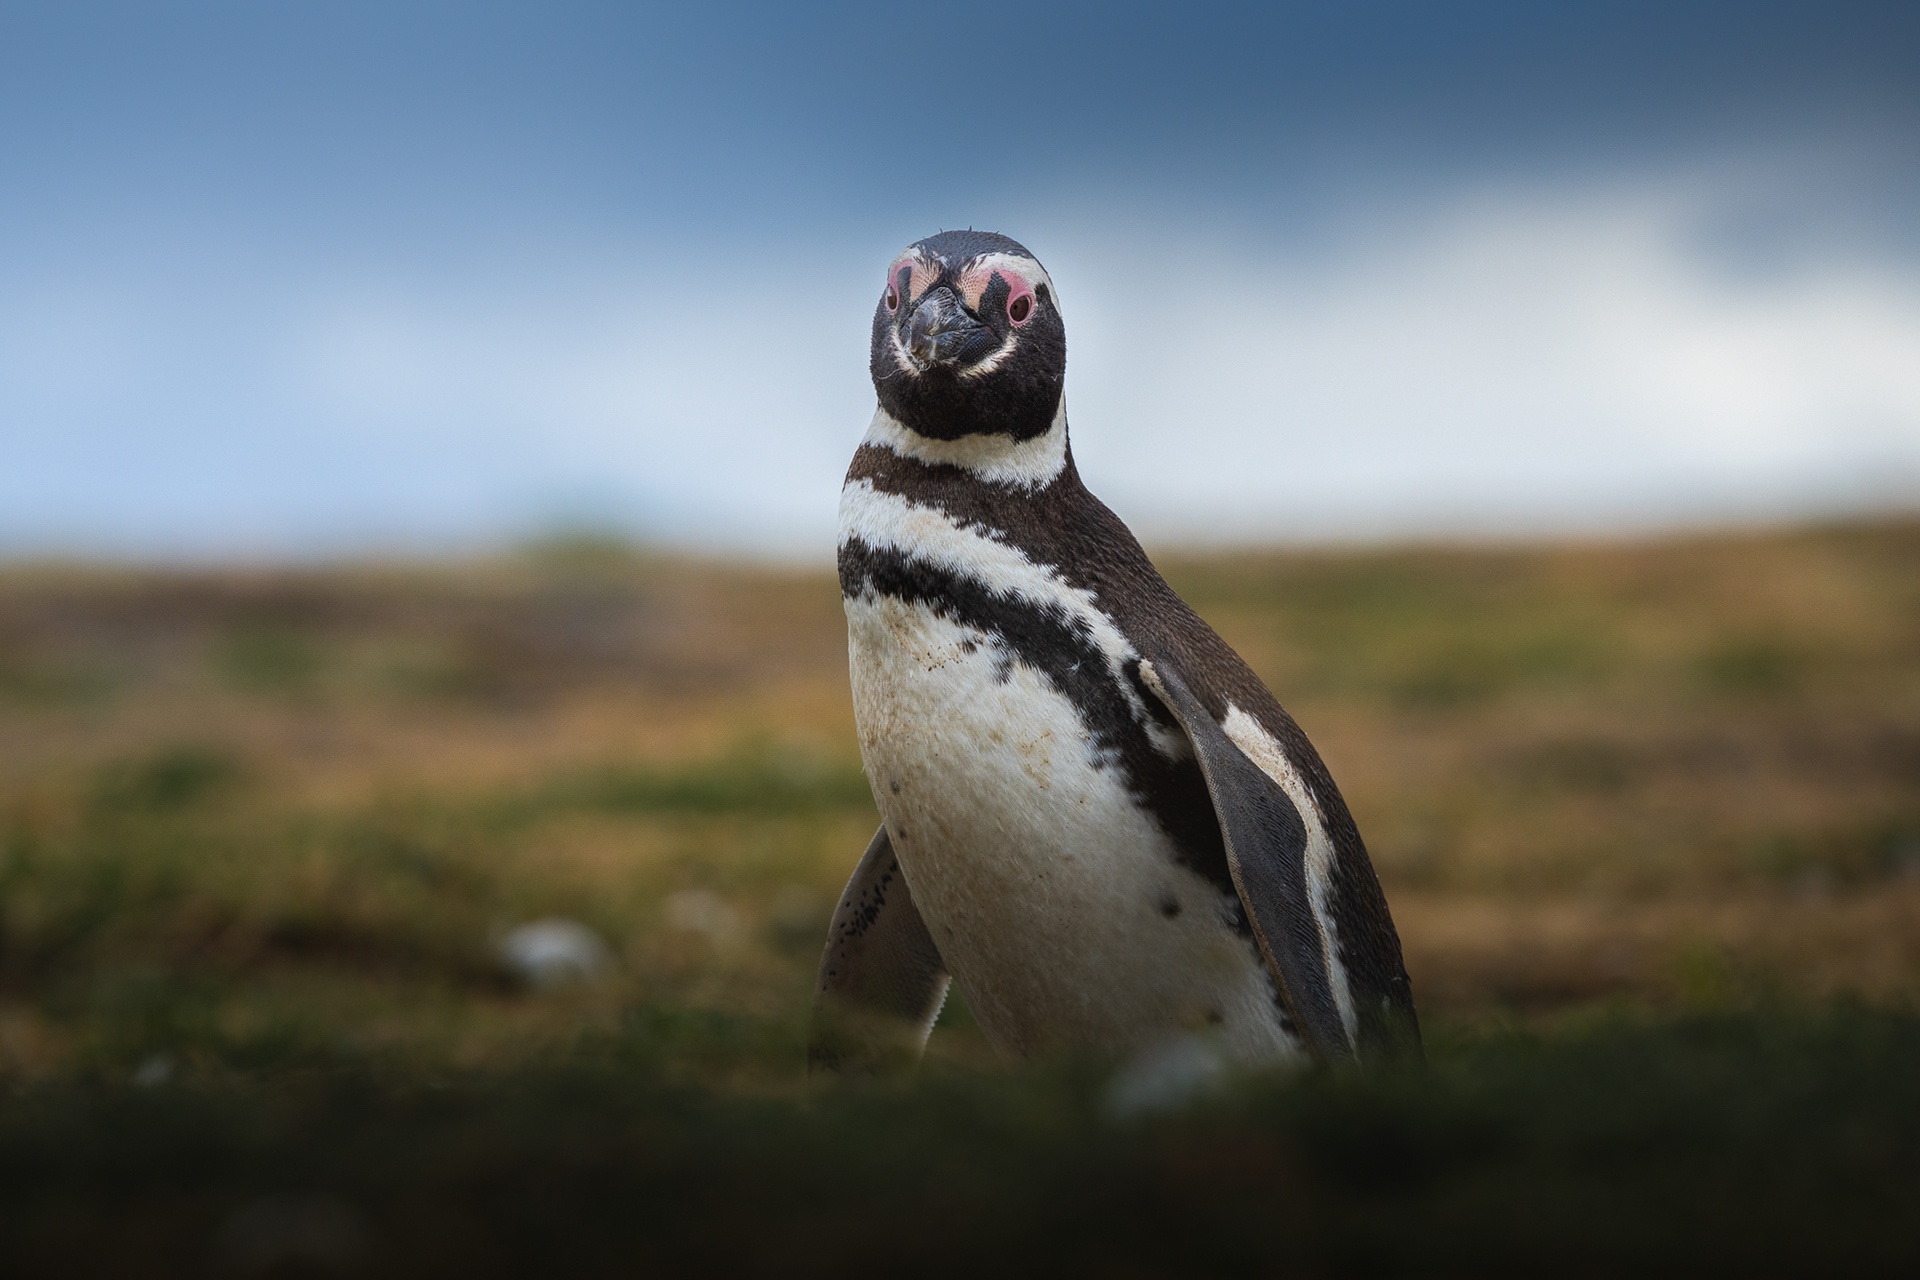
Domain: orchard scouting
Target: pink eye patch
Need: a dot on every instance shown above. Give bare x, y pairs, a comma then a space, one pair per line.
920, 278
1020, 290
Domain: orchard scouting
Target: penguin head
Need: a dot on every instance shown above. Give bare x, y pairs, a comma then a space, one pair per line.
967, 339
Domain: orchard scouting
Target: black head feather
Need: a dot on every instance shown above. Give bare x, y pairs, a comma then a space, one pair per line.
960, 351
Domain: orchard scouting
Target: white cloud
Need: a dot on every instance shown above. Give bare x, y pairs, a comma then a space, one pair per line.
1519, 358
729, 406
1528, 358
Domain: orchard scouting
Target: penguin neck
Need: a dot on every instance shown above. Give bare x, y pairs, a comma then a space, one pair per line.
996, 459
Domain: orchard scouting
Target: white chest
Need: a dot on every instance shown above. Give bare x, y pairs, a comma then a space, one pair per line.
1057, 901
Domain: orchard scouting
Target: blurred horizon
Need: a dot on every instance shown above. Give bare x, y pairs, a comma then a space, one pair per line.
308, 282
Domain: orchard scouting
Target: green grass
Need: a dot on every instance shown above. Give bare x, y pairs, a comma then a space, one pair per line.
1764, 1142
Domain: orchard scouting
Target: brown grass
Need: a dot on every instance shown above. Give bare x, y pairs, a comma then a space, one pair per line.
1680, 770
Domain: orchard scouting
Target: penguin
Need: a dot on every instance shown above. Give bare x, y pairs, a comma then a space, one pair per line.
1096, 820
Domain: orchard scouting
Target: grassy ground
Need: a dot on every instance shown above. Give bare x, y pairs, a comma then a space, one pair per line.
1648, 816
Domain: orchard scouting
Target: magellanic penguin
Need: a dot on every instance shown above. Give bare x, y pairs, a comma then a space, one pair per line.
1096, 819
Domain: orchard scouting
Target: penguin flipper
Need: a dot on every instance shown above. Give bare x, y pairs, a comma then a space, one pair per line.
1266, 841
882, 981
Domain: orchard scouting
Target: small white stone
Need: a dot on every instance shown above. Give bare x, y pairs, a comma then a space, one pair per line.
702, 911
551, 953
1166, 1077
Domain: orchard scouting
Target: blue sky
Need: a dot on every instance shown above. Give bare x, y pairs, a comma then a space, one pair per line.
311, 279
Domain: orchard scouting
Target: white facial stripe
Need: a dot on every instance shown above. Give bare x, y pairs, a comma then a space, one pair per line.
902, 360
1030, 464
887, 520
986, 365
1260, 747
1012, 265
975, 275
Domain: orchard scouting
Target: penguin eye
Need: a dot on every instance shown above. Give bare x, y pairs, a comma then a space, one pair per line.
899, 276
1019, 308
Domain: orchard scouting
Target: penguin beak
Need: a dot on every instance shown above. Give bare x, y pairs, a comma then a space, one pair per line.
941, 332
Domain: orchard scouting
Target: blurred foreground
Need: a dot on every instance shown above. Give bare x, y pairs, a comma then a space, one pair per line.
1648, 816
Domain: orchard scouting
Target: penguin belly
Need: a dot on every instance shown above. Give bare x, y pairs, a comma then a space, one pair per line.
1056, 899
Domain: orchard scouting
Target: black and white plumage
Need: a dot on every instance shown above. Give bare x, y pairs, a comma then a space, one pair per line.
1096, 820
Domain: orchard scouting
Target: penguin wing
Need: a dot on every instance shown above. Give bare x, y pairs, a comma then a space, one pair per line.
1266, 841
882, 980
